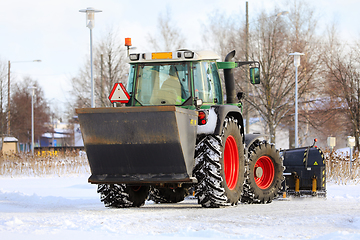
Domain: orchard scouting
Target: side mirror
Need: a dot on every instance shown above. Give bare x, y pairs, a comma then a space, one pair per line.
255, 75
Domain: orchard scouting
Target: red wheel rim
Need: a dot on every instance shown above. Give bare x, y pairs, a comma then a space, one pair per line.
264, 172
231, 162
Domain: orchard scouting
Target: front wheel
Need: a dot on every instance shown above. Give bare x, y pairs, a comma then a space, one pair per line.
265, 173
219, 166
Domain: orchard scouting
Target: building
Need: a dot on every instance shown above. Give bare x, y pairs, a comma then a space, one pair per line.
9, 145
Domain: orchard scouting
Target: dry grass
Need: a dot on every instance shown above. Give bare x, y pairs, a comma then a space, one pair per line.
60, 164
338, 167
47, 164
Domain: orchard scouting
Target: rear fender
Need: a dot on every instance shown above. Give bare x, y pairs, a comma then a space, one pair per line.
224, 111
250, 138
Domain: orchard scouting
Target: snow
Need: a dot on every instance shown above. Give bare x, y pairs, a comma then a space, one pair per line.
10, 139
69, 208
344, 151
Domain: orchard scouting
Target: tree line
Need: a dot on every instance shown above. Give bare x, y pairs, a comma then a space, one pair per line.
328, 92
19, 123
328, 76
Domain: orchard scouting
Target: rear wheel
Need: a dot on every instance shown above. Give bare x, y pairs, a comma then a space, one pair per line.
122, 195
168, 195
265, 173
220, 167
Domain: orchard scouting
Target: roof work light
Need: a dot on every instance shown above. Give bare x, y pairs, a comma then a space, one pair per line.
128, 42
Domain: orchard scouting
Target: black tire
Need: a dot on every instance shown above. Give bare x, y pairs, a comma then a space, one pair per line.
264, 173
122, 195
168, 195
215, 187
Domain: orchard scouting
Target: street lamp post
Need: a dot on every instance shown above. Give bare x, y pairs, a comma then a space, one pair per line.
32, 119
8, 112
297, 64
90, 23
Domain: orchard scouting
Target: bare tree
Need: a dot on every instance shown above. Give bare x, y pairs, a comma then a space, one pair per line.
274, 38
271, 38
272, 97
303, 29
110, 67
21, 110
223, 33
342, 63
168, 37
3, 94
81, 85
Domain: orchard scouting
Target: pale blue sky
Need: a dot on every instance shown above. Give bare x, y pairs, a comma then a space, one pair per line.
55, 31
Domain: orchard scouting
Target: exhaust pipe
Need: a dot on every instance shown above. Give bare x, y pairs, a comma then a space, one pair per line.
230, 81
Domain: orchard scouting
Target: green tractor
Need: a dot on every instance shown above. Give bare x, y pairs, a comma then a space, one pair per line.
176, 133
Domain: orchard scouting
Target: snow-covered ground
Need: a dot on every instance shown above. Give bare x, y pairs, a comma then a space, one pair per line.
69, 208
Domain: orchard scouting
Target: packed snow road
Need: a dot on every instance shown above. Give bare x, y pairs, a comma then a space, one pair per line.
69, 208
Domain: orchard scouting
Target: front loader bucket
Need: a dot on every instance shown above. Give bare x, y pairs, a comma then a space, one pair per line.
138, 145
304, 171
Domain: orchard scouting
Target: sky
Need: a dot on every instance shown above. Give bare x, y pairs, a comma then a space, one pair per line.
55, 31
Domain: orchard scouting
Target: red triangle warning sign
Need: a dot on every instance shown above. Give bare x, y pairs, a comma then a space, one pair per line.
119, 94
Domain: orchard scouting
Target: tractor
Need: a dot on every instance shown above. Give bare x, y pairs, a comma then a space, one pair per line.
174, 133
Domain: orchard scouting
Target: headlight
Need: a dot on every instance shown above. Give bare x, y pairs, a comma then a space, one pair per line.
188, 54
134, 57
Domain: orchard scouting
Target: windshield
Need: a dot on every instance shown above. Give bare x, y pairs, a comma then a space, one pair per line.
162, 84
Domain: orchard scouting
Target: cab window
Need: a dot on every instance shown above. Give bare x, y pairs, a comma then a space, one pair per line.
162, 84
207, 82
217, 83
130, 82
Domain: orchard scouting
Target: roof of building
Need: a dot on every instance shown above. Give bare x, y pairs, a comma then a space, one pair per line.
55, 135
10, 139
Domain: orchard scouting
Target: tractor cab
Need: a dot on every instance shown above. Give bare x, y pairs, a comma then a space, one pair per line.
174, 78
179, 78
